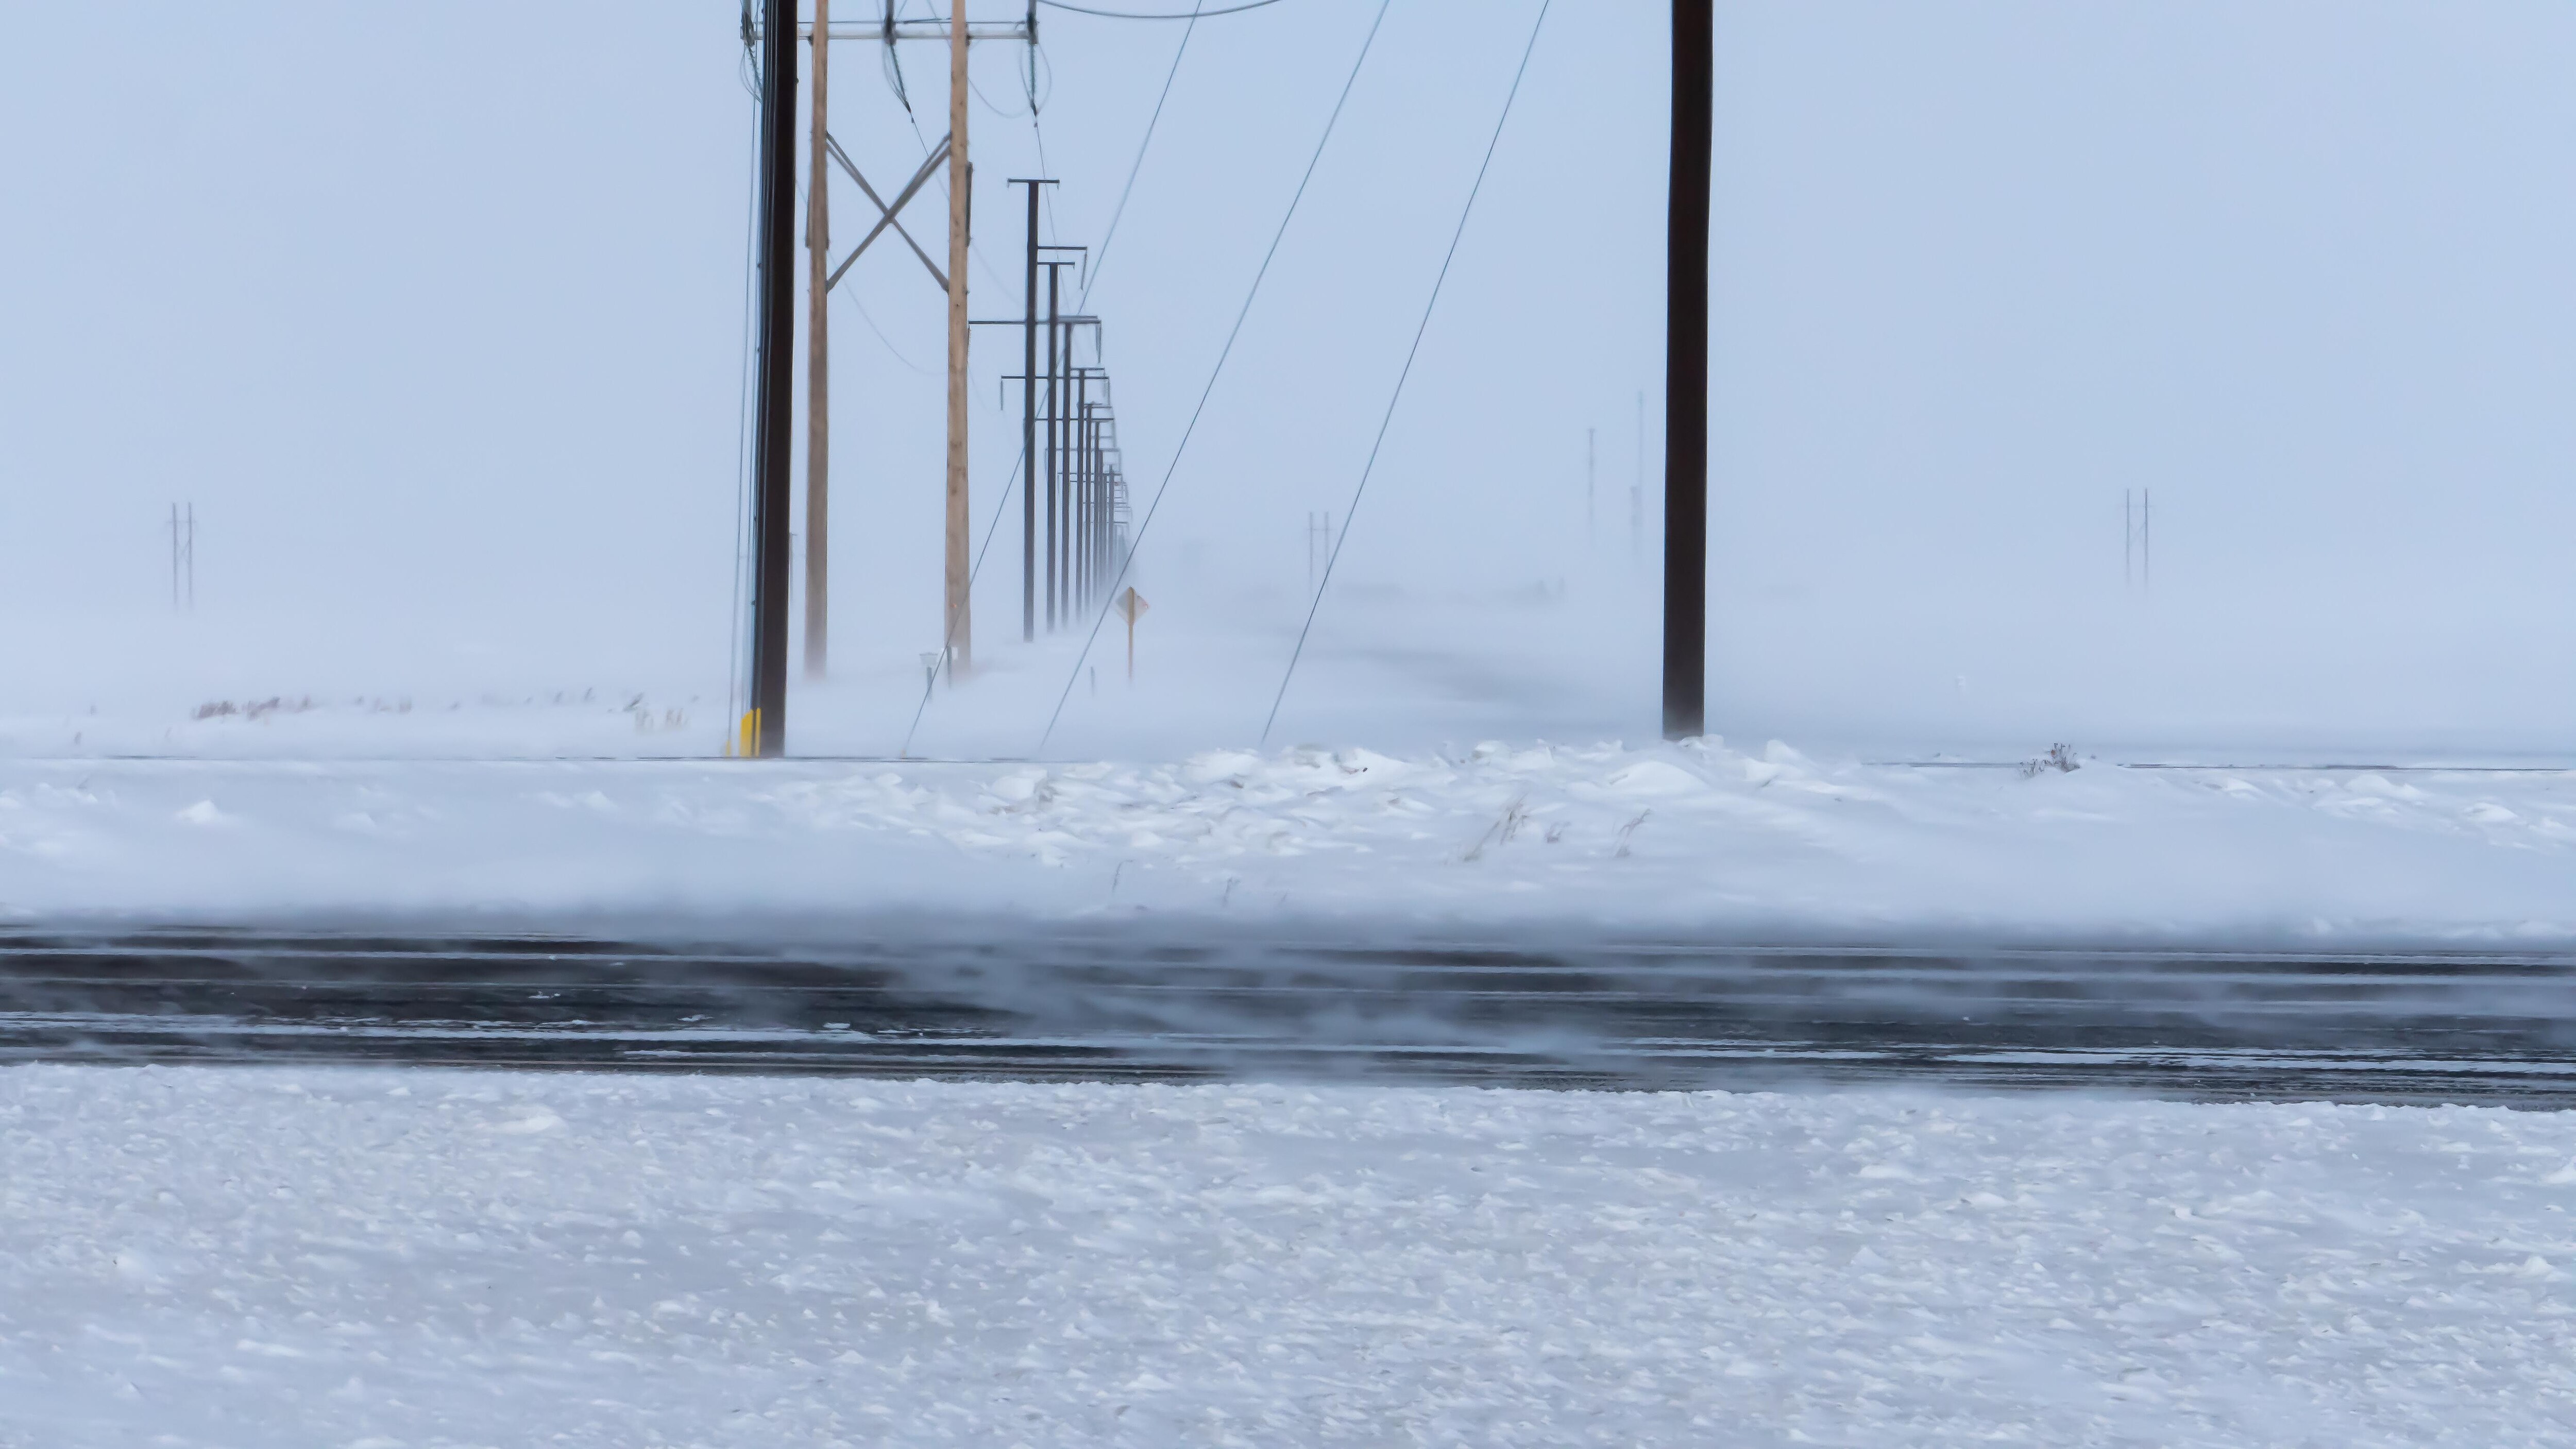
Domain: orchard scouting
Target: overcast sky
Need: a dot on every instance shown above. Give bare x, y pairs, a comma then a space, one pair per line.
435, 313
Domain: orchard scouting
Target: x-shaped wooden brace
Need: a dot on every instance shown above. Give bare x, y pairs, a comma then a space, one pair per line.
929, 167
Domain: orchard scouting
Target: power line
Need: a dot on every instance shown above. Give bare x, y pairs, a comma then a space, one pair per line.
1000, 506
1101, 257
996, 110
891, 350
942, 181
1350, 514
1215, 372
1037, 131
1168, 15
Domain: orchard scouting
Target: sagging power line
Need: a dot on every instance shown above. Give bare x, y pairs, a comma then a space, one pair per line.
1233, 334
1430, 304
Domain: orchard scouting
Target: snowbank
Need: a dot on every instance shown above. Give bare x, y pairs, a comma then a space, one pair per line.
1696, 837
421, 1257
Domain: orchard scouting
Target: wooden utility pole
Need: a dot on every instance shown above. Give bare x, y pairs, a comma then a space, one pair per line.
818, 390
960, 622
764, 724
1686, 374
1029, 428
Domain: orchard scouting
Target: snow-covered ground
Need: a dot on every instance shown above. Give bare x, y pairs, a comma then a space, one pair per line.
278, 1259
1699, 837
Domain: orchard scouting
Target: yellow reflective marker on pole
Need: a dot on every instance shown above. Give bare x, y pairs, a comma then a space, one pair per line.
1131, 607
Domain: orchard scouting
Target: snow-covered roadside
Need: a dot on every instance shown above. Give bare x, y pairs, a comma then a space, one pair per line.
1694, 837
275, 1258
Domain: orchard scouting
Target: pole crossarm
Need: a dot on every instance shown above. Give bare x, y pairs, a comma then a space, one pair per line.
918, 30
929, 167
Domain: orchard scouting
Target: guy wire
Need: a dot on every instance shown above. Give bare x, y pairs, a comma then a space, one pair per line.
949, 640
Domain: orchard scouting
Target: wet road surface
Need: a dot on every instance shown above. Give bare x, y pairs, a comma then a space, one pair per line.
1108, 1005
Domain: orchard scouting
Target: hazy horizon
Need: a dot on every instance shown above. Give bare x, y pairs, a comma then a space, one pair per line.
436, 319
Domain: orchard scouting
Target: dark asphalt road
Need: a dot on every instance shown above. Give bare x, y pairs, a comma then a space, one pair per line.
1113, 1005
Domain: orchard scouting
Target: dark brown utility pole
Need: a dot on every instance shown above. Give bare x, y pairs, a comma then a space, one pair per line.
1029, 430
1077, 484
1686, 375
1054, 449
764, 727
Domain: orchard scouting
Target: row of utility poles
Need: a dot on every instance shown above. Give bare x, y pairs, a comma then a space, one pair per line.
1068, 436
1068, 426
1083, 491
763, 728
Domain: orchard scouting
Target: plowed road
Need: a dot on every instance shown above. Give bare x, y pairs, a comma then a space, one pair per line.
1152, 1005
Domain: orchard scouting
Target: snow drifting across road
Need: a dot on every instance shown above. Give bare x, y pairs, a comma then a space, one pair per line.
282, 1259
1692, 838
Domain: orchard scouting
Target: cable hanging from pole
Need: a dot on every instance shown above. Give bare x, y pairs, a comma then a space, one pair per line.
893, 65
1000, 507
1091, 274
1156, 15
1317, 603
1154, 507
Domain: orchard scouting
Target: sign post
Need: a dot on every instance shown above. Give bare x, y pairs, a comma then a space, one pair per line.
1131, 607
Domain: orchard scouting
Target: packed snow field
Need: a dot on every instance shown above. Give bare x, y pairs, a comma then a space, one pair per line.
383, 1257
1703, 836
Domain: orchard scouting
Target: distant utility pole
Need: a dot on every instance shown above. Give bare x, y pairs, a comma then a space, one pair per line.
2137, 540
1073, 402
1686, 374
961, 180
1319, 549
183, 559
1637, 490
1077, 484
818, 391
1057, 352
764, 724
1590, 436
1029, 429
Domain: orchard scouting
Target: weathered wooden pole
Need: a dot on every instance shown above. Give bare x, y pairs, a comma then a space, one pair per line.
1029, 429
818, 391
961, 180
